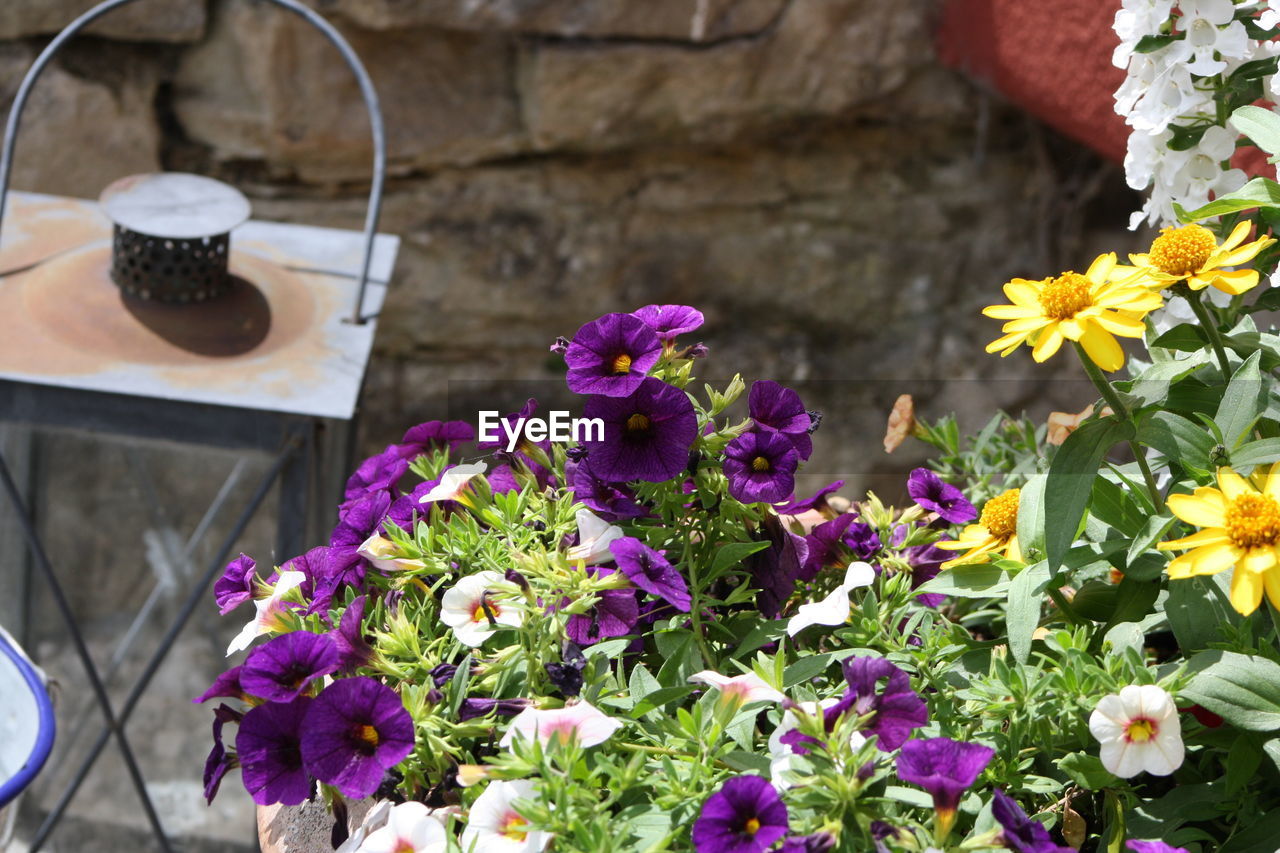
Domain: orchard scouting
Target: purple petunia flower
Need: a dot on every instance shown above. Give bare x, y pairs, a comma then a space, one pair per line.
378, 473
281, 668
649, 570
775, 569
893, 711
356, 730
353, 650
668, 321
818, 501
862, 540
647, 436
268, 746
610, 356
929, 491
818, 842
225, 685
219, 761
1152, 847
926, 562
761, 467
567, 674
1021, 834
778, 408
610, 501
435, 435
473, 707
235, 587
744, 816
945, 768
615, 614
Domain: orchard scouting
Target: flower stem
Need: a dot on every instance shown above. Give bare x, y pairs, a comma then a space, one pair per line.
1211, 329
1122, 411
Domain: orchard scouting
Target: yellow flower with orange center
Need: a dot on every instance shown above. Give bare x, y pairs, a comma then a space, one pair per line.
996, 530
1192, 254
1240, 529
1090, 309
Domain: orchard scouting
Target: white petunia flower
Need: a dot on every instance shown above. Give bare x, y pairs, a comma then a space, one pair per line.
1139, 730
410, 828
494, 826
582, 722
270, 612
453, 483
594, 537
835, 608
470, 604
740, 689
385, 554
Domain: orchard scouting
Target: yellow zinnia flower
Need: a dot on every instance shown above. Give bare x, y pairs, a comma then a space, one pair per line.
1192, 254
1240, 528
996, 530
1092, 309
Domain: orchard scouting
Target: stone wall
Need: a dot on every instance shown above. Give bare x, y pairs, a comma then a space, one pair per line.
804, 170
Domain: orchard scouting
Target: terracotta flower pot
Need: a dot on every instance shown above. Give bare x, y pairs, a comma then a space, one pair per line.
307, 828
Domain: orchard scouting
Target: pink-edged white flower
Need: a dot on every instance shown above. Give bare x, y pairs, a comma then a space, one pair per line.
1139, 730
739, 689
594, 537
409, 828
835, 608
453, 483
783, 756
494, 826
582, 722
385, 554
472, 608
269, 615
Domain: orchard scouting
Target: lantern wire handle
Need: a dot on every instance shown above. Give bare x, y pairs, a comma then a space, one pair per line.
312, 17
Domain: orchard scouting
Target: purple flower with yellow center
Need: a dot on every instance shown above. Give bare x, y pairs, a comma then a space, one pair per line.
891, 712
933, 494
281, 668
1020, 833
647, 435
649, 570
614, 614
611, 356
761, 467
669, 321
945, 768
268, 746
219, 761
235, 587
780, 409
356, 730
744, 816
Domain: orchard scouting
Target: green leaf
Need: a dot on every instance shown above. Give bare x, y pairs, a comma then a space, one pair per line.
1184, 337
804, 669
642, 683
1262, 126
1272, 749
1154, 530
1242, 403
747, 762
970, 580
1196, 612
1242, 689
1022, 613
910, 796
1151, 387
1257, 453
1242, 762
728, 556
1087, 771
1152, 43
1070, 481
1031, 517
1178, 439
1258, 837
658, 698
1260, 192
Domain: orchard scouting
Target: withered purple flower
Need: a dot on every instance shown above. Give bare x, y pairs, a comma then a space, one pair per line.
235, 587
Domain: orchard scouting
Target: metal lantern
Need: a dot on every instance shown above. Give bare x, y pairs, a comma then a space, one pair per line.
163, 312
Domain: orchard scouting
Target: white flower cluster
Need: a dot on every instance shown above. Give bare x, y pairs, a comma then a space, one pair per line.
1174, 86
